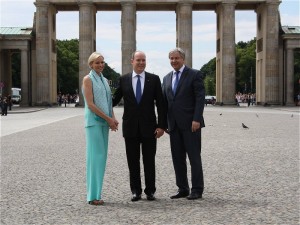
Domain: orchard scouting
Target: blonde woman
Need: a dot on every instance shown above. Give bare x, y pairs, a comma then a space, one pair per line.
99, 118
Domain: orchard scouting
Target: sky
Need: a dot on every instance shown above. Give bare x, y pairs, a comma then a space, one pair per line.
156, 31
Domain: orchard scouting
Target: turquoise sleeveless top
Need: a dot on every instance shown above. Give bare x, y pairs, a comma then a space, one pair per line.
102, 99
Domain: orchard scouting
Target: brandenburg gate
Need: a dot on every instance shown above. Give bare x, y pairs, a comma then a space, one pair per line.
267, 52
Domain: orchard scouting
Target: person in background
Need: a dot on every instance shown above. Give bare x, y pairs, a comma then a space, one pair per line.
1, 104
4, 106
99, 117
184, 93
141, 91
9, 102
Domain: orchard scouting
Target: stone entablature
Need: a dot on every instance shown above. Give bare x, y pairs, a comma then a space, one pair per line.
150, 5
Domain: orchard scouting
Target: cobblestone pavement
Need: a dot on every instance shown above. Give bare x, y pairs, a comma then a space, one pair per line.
251, 175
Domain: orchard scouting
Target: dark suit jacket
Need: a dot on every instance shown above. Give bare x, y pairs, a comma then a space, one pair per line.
141, 117
188, 103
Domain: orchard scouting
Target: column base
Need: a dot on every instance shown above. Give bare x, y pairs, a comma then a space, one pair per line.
266, 104
45, 104
225, 103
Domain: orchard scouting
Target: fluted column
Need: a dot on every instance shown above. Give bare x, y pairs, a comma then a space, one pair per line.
184, 24
128, 25
87, 39
24, 77
42, 53
267, 49
289, 76
226, 62
272, 50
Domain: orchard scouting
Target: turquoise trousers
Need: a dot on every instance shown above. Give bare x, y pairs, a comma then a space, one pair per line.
96, 155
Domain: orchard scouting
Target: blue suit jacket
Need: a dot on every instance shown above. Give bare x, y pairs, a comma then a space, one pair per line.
187, 104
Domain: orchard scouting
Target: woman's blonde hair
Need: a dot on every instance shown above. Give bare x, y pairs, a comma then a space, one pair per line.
93, 57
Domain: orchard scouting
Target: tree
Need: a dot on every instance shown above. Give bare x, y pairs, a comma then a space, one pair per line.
209, 71
245, 66
68, 67
245, 69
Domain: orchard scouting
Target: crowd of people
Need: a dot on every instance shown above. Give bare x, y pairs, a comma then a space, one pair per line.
249, 98
66, 99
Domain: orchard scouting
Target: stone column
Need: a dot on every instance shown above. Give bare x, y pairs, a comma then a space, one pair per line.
289, 62
42, 53
272, 50
128, 24
87, 39
267, 49
184, 22
7, 76
24, 78
53, 56
226, 62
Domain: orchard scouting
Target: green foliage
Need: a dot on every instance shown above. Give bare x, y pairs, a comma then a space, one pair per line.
111, 75
245, 67
209, 70
67, 66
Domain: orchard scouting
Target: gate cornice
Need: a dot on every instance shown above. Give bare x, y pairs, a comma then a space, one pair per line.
158, 5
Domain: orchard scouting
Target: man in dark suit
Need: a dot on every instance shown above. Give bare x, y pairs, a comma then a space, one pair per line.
141, 91
184, 93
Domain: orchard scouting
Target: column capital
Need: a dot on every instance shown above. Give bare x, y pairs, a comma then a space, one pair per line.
185, 2
127, 2
289, 48
273, 2
41, 4
85, 3
229, 2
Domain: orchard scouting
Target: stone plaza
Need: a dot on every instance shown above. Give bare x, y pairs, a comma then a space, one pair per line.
251, 175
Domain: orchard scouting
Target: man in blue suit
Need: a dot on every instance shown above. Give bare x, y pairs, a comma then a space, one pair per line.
141, 92
184, 93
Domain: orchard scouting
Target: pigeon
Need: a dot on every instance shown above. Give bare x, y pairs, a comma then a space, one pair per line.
257, 115
244, 126
220, 114
292, 115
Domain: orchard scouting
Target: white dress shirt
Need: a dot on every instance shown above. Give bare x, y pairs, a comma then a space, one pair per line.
174, 76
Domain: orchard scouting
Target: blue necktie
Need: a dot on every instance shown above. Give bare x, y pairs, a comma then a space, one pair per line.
176, 82
138, 92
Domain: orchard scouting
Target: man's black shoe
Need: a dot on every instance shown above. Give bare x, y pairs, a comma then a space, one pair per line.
194, 195
180, 194
135, 197
151, 197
